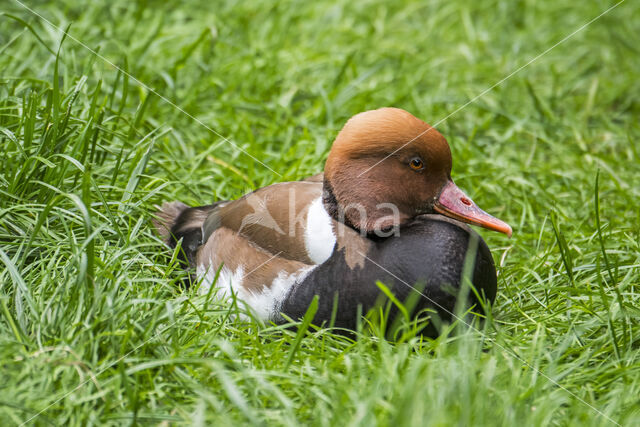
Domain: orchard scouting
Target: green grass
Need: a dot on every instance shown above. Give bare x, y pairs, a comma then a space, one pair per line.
93, 326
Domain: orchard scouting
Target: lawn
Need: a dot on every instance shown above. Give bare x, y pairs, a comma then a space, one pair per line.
150, 101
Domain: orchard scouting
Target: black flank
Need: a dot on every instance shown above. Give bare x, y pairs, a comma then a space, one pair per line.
429, 255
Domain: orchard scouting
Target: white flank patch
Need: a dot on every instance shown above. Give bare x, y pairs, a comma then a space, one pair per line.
265, 303
319, 239
227, 280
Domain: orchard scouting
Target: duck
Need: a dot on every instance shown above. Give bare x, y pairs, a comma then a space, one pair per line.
385, 210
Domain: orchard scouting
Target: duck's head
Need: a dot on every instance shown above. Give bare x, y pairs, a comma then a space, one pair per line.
387, 167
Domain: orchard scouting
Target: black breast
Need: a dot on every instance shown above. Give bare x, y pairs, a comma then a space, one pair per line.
424, 264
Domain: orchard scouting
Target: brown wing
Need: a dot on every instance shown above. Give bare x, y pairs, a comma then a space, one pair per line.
272, 218
262, 235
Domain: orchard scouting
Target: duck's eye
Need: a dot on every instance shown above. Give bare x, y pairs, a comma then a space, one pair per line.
416, 164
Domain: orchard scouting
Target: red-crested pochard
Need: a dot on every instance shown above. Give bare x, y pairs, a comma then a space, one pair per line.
385, 209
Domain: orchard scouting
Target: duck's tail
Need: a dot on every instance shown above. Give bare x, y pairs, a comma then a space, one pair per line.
176, 221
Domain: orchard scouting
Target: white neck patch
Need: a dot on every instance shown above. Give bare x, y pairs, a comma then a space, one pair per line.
319, 238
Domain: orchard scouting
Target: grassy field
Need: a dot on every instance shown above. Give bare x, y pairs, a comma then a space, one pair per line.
94, 329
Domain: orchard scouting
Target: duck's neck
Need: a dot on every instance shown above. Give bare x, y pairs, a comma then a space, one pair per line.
334, 210
332, 207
